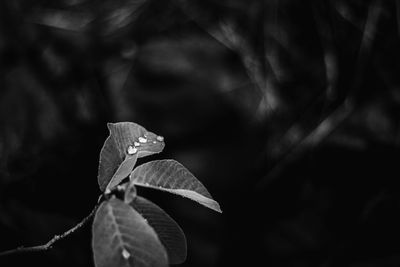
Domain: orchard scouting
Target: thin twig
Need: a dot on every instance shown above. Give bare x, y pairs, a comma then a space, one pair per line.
56, 238
341, 113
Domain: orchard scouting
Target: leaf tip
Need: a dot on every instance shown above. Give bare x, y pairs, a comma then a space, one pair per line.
217, 207
111, 126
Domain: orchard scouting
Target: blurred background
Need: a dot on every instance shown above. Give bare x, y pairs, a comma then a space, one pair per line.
287, 111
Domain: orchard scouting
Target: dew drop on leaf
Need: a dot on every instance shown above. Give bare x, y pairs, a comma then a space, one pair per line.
142, 139
125, 254
136, 144
132, 150
160, 138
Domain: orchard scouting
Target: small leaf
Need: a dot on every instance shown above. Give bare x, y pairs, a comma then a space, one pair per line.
122, 238
121, 150
130, 193
173, 177
169, 232
123, 171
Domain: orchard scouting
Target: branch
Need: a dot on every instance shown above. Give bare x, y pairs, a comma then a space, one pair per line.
316, 136
56, 238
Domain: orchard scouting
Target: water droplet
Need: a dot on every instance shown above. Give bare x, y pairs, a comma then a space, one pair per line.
160, 138
154, 142
136, 144
121, 187
142, 139
125, 254
132, 150
108, 191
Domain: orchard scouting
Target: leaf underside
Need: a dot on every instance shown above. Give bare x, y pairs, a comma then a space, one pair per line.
173, 177
123, 238
115, 163
168, 231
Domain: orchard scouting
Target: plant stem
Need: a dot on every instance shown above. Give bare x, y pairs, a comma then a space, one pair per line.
56, 238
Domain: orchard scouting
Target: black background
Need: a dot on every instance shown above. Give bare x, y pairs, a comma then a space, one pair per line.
287, 111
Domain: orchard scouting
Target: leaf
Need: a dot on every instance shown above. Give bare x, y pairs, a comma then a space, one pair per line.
120, 15
63, 19
122, 238
173, 177
169, 232
115, 161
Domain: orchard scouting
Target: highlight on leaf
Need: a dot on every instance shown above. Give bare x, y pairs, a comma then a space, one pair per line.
123, 238
127, 142
173, 177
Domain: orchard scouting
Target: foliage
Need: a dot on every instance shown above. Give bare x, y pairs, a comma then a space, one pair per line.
289, 110
136, 232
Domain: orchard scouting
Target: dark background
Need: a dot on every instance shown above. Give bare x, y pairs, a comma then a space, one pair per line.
287, 111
